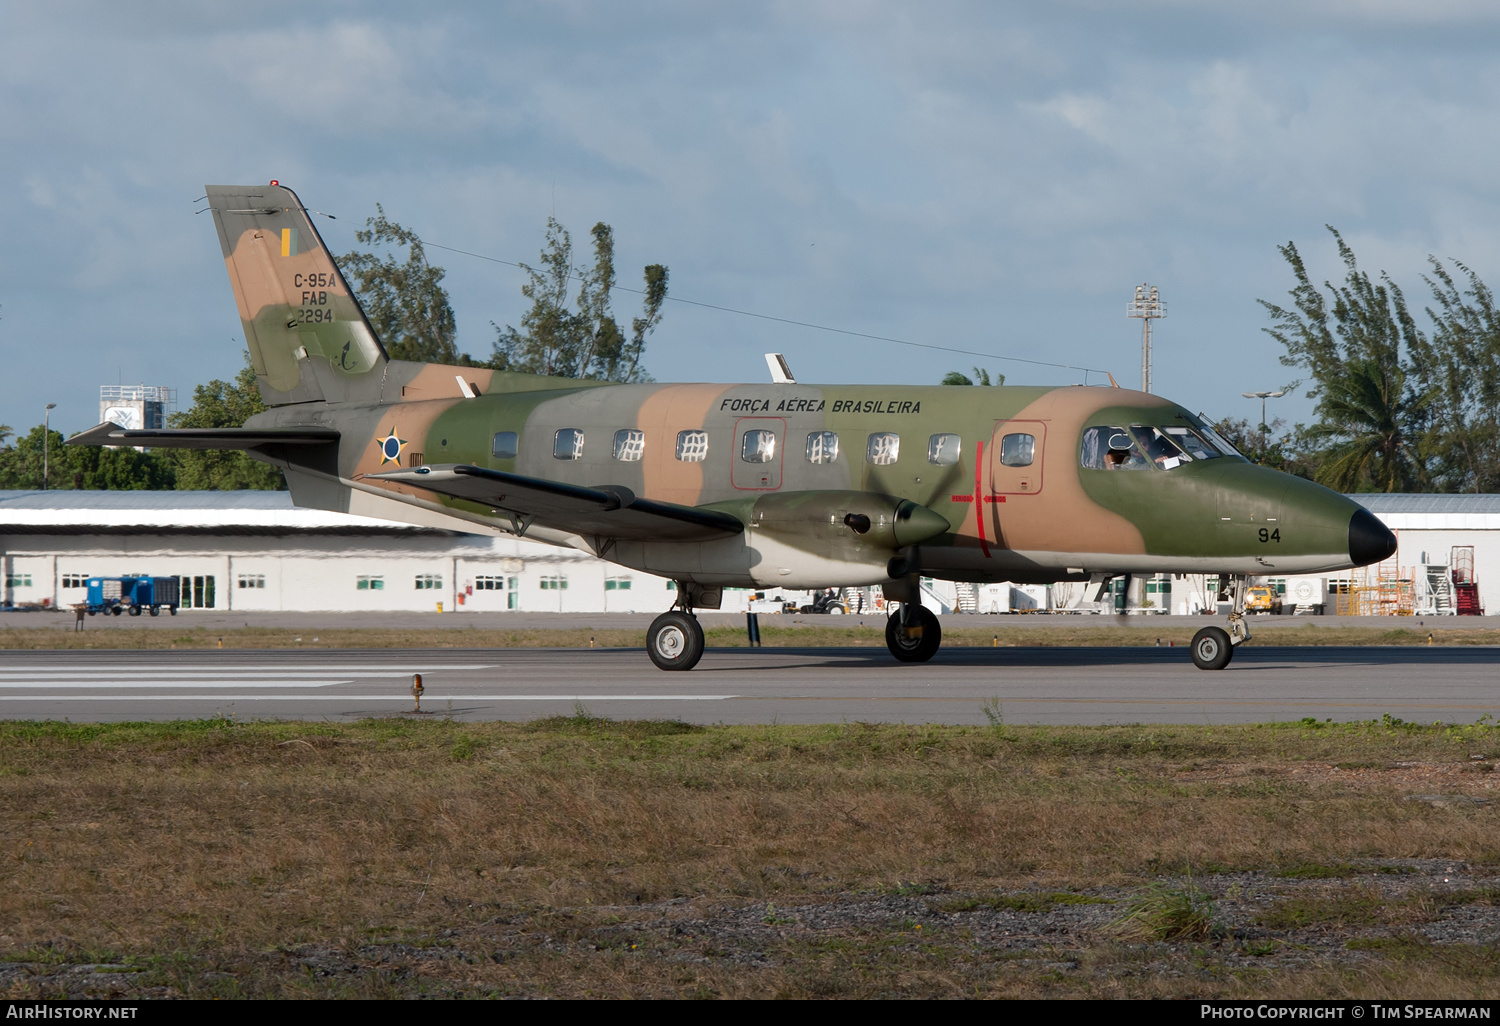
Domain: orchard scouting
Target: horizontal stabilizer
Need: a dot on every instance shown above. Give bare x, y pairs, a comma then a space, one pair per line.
610, 511
203, 438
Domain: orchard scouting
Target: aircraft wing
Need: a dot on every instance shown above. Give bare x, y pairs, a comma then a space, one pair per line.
203, 438
609, 511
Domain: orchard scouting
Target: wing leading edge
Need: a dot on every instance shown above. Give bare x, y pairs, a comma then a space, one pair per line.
610, 511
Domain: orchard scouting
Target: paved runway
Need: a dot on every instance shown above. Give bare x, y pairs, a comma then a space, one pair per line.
785, 685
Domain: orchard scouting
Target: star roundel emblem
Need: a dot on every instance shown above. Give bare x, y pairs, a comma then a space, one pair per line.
390, 447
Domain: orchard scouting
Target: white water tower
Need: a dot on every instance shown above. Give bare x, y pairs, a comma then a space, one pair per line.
136, 407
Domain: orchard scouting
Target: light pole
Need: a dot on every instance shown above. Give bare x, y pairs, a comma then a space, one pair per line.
1263, 396
1148, 306
46, 442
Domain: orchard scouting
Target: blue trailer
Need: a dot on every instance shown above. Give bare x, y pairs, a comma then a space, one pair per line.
116, 595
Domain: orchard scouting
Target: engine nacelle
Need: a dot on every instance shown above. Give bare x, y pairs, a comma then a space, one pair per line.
824, 538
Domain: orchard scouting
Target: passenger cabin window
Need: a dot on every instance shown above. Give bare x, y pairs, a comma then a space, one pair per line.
1017, 450
758, 446
883, 448
943, 450
567, 444
504, 445
630, 445
692, 446
822, 447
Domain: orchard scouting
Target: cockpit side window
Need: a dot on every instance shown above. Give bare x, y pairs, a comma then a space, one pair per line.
1110, 448
1158, 447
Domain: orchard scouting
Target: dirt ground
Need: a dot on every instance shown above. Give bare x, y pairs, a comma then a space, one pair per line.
581, 857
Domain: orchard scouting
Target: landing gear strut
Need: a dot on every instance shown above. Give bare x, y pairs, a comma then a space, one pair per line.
1213, 647
912, 633
675, 638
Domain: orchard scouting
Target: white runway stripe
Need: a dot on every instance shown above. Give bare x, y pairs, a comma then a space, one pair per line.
74, 685
241, 672
429, 699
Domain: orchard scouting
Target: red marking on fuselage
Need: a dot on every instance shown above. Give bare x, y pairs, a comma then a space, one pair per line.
978, 499
984, 546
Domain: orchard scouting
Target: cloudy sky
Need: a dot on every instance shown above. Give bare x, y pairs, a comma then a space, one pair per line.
991, 176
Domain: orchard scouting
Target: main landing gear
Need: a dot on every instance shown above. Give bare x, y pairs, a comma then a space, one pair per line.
675, 638
912, 633
1213, 647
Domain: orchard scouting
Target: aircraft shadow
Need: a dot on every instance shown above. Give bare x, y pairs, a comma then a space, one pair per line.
1265, 657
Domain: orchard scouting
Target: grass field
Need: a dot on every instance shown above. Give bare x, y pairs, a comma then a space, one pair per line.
870, 636
582, 857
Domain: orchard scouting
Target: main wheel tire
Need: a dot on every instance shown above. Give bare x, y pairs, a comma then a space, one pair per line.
156, 610
172, 610
116, 610
1211, 649
675, 641
135, 610
918, 643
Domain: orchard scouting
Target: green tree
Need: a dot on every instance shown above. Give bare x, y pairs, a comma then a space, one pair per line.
1369, 414
1270, 446
221, 404
981, 376
1461, 371
404, 299
1365, 360
586, 342
80, 467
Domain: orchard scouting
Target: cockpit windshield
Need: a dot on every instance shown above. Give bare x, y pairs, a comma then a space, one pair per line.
1196, 447
1218, 440
1143, 447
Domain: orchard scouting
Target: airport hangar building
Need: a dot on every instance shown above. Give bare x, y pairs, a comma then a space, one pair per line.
254, 550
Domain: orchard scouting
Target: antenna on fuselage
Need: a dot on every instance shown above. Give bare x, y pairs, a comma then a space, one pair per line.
781, 374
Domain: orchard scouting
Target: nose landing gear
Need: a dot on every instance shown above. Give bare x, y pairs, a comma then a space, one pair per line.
912, 633
1213, 647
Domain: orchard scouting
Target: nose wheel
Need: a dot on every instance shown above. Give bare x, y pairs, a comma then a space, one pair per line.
912, 633
675, 641
1211, 649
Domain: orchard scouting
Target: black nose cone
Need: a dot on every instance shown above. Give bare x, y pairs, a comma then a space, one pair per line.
1370, 541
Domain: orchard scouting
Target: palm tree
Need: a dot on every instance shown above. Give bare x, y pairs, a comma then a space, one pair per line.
1373, 422
6, 432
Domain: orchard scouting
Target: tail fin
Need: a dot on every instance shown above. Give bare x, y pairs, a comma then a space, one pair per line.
309, 339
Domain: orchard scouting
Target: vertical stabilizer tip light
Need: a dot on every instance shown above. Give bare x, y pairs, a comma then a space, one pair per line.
781, 374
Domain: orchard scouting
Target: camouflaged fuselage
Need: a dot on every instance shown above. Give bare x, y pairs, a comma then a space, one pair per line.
1052, 520
880, 509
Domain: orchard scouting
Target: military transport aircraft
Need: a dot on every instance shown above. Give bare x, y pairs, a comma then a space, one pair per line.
752, 485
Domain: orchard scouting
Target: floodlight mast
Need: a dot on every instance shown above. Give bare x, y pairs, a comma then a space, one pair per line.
1148, 306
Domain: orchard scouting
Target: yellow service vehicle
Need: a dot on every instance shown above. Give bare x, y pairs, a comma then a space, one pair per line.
1262, 598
